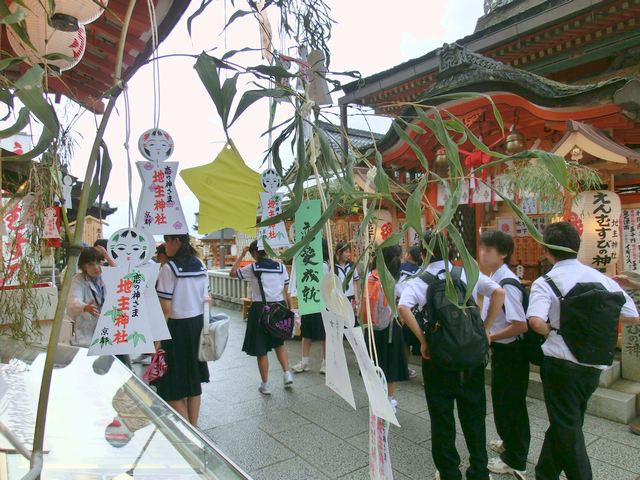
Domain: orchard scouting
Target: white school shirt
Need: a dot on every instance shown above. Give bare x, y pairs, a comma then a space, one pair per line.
184, 287
343, 271
545, 304
415, 291
406, 271
513, 310
274, 277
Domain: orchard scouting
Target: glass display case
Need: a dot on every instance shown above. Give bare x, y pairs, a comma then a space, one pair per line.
103, 423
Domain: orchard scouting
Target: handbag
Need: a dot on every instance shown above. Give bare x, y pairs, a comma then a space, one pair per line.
214, 336
157, 368
276, 319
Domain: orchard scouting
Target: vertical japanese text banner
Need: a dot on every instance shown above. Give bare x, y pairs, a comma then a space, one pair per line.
309, 261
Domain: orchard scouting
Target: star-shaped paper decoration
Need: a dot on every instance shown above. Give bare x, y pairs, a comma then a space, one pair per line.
228, 192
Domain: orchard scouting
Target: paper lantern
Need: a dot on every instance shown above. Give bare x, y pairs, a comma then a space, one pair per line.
596, 215
46, 40
68, 15
382, 226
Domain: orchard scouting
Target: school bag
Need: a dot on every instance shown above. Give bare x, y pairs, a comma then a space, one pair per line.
589, 317
531, 340
381, 312
456, 336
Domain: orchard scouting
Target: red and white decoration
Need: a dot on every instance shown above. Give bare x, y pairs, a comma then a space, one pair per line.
80, 11
159, 210
271, 205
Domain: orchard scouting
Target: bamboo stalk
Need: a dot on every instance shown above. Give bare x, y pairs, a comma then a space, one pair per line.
45, 386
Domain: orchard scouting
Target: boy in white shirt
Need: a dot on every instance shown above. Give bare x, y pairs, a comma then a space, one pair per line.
509, 360
567, 383
444, 388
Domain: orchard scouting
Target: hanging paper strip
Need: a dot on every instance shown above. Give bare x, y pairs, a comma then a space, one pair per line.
51, 231
276, 234
17, 228
309, 261
379, 456
631, 239
337, 374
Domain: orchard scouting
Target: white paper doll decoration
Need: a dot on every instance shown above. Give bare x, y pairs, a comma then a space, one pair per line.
159, 210
271, 181
131, 317
51, 230
131, 247
67, 187
156, 145
271, 205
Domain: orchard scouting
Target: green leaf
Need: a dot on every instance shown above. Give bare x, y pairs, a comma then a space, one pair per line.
15, 17
409, 141
28, 89
208, 73
100, 179
203, 5
21, 122
251, 96
414, 205
229, 89
386, 279
9, 62
136, 337
531, 228
471, 269
273, 71
236, 15
329, 156
381, 180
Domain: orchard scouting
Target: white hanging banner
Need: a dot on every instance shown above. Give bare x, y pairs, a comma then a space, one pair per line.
379, 455
378, 400
337, 375
631, 239
50, 229
482, 192
17, 228
270, 206
159, 210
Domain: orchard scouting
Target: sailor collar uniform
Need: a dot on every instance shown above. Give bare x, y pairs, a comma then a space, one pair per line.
274, 277
183, 280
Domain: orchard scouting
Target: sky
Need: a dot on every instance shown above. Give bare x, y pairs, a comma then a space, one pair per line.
369, 37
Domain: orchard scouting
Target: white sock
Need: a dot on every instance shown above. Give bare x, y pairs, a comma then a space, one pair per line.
306, 360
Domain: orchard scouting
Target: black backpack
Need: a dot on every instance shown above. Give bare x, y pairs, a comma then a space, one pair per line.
589, 318
456, 336
531, 340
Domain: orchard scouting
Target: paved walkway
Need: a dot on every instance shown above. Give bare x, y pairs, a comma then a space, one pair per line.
311, 433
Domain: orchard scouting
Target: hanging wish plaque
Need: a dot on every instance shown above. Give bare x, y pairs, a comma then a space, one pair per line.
159, 210
271, 205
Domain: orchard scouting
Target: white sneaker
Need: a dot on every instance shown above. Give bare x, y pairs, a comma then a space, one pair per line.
301, 367
496, 465
412, 374
265, 389
287, 379
497, 446
323, 368
437, 477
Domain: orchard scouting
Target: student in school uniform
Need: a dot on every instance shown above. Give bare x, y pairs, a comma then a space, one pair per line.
389, 342
312, 328
181, 286
275, 281
343, 267
567, 383
444, 388
509, 360
411, 264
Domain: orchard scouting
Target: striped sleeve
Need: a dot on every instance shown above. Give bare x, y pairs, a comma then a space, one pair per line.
246, 272
166, 283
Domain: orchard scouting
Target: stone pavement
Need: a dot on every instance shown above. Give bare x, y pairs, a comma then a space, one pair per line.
311, 433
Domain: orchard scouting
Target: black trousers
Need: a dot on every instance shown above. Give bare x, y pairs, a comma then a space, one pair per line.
567, 388
509, 384
465, 389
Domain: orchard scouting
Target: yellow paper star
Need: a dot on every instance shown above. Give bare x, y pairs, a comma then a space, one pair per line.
228, 192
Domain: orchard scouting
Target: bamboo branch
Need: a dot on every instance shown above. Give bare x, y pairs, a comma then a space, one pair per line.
45, 386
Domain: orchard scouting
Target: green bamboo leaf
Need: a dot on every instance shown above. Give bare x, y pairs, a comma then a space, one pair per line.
100, 179
409, 141
9, 62
203, 5
387, 280
273, 71
471, 269
531, 228
414, 206
15, 17
208, 72
381, 180
229, 90
236, 15
28, 89
329, 155
21, 122
251, 96
469, 96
